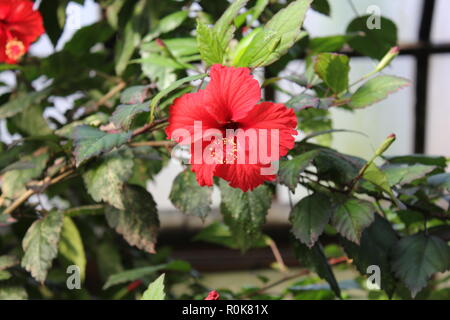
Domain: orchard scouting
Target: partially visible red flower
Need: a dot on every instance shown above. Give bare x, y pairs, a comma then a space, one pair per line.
212, 295
20, 26
231, 102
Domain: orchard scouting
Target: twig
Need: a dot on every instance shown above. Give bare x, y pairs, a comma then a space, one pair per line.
148, 127
27, 194
277, 255
165, 143
111, 93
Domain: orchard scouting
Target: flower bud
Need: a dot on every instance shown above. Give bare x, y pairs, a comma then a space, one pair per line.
387, 59
386, 144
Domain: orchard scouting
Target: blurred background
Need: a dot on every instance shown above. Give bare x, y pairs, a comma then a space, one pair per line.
418, 115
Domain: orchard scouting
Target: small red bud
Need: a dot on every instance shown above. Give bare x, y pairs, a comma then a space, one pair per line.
132, 286
160, 43
213, 295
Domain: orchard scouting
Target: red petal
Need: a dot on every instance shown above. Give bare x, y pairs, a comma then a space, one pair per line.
231, 93
243, 176
273, 116
185, 111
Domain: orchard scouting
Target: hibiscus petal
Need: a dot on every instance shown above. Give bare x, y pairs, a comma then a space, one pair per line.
185, 111
244, 176
231, 93
272, 116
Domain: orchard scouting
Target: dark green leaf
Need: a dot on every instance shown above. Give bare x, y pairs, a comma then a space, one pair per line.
189, 197
309, 217
290, 170
416, 258
40, 245
138, 223
91, 142
376, 89
124, 115
351, 217
333, 69
245, 212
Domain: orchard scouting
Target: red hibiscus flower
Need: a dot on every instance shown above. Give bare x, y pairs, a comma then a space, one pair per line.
20, 26
261, 132
212, 295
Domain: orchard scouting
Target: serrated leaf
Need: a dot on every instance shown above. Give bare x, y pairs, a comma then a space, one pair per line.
209, 44
376, 89
14, 181
351, 217
22, 102
374, 175
138, 223
290, 170
375, 246
314, 258
373, 42
189, 197
245, 212
333, 69
91, 142
12, 292
287, 23
134, 94
40, 245
401, 174
309, 217
8, 261
71, 245
94, 120
416, 258
155, 290
255, 48
104, 181
224, 27
124, 115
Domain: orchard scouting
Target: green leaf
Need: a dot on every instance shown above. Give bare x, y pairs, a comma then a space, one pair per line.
314, 258
309, 217
11, 292
124, 115
375, 42
327, 44
209, 44
224, 28
290, 170
287, 24
90, 142
94, 120
303, 101
351, 217
419, 159
375, 247
197, 201
134, 94
155, 290
321, 6
8, 261
219, 233
40, 245
138, 223
401, 174
138, 273
333, 69
14, 181
256, 48
167, 24
22, 102
82, 41
54, 18
416, 258
245, 212
441, 180
71, 245
171, 88
374, 175
376, 89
